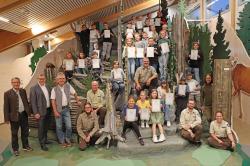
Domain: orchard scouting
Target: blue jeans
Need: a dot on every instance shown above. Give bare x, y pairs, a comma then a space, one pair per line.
64, 117
138, 62
196, 72
131, 69
163, 62
118, 87
166, 110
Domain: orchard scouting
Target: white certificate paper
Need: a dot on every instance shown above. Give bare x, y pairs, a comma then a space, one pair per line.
93, 34
146, 29
131, 115
182, 90
98, 53
151, 21
144, 114
156, 105
169, 99
150, 34
130, 31
150, 52
81, 63
157, 22
191, 86
131, 52
96, 63
164, 48
106, 33
139, 24
139, 52
69, 65
194, 54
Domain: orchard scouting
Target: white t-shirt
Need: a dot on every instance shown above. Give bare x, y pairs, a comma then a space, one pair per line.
64, 98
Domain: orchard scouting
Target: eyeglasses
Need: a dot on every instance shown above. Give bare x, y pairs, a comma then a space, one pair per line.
87, 107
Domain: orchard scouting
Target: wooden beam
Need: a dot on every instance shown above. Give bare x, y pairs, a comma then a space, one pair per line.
59, 39
8, 42
132, 10
233, 10
203, 11
8, 5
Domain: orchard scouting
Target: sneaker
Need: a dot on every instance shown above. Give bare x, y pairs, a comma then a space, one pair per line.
154, 139
141, 142
64, 145
147, 126
44, 148
68, 144
28, 149
16, 153
142, 125
162, 138
168, 123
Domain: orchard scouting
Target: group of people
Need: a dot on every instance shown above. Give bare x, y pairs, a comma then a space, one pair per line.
147, 60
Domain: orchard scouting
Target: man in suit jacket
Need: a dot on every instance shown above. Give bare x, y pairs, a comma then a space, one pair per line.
40, 102
16, 111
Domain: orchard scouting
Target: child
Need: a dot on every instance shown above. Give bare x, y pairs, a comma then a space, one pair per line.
94, 36
107, 42
143, 105
81, 64
162, 92
96, 67
68, 65
131, 123
163, 43
194, 63
156, 119
194, 88
117, 79
139, 44
181, 98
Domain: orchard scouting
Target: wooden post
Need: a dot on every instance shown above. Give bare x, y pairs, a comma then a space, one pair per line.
233, 9
203, 11
222, 87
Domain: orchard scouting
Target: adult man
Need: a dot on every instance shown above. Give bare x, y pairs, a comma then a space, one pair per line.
16, 111
87, 126
221, 135
84, 37
190, 123
40, 102
60, 99
96, 98
145, 76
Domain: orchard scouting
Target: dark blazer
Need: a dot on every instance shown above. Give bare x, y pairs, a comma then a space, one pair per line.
11, 104
38, 100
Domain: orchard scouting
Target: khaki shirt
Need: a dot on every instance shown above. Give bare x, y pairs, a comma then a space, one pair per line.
96, 99
142, 74
87, 123
220, 130
190, 118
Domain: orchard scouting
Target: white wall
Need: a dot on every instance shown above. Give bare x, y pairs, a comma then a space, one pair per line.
12, 54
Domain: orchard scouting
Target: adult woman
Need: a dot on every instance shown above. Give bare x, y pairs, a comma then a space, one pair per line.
221, 135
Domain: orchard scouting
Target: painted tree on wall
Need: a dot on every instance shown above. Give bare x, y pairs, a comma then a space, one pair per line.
38, 53
244, 24
220, 50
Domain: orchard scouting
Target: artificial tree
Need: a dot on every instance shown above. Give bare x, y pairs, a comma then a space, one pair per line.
244, 24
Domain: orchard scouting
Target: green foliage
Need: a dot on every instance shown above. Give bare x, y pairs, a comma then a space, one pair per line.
220, 49
244, 24
38, 53
202, 35
172, 65
182, 6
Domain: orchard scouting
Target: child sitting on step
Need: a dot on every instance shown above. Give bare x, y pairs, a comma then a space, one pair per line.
144, 109
130, 113
156, 117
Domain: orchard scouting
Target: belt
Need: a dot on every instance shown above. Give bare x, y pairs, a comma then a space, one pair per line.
63, 107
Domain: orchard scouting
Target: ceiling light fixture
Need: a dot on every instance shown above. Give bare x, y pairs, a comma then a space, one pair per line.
4, 19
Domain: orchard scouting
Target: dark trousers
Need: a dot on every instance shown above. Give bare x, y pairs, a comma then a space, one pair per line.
83, 144
43, 124
23, 123
85, 47
68, 75
133, 126
197, 130
101, 113
153, 85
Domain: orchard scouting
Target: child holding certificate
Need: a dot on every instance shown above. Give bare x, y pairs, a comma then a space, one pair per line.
81, 64
181, 98
194, 61
139, 44
156, 117
131, 112
144, 109
163, 93
194, 88
68, 66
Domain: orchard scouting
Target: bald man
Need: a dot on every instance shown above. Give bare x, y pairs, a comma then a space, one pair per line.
96, 98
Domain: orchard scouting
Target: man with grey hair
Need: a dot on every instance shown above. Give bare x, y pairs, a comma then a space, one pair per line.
96, 98
16, 111
40, 102
60, 99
